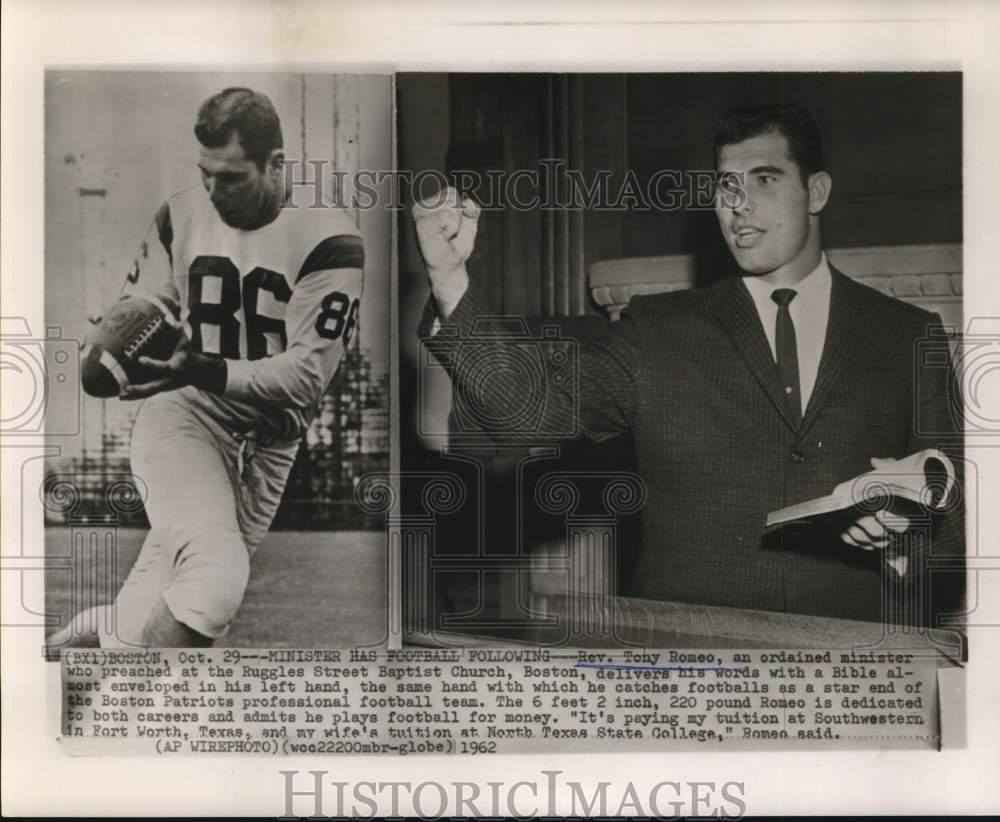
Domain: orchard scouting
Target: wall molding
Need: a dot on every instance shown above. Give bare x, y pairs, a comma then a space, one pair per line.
926, 275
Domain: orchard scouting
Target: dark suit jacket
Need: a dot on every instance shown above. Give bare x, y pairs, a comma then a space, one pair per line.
692, 375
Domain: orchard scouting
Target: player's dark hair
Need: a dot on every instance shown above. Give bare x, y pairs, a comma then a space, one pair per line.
249, 114
792, 121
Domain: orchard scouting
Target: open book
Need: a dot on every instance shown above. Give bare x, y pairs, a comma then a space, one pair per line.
922, 481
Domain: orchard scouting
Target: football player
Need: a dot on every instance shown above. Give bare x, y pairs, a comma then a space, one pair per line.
269, 296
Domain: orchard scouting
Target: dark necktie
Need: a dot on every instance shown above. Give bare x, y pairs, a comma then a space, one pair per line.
787, 353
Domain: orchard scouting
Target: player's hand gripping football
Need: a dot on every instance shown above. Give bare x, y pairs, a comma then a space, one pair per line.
185, 367
446, 225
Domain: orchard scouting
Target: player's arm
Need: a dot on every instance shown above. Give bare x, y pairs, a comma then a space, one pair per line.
151, 272
320, 320
150, 276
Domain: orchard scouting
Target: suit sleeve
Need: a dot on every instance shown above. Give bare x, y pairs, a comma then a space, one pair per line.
151, 272
320, 322
517, 386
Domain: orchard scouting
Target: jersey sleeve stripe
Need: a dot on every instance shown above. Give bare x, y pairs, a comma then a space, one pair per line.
165, 229
341, 251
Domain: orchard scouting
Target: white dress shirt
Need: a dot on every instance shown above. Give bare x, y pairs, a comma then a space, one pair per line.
810, 312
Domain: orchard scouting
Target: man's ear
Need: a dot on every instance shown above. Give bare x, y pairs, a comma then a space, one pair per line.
276, 161
820, 185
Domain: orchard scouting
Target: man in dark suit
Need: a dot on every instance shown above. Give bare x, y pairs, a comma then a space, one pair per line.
759, 392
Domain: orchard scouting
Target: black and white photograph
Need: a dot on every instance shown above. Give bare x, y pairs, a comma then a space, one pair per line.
229, 296
487, 410
688, 353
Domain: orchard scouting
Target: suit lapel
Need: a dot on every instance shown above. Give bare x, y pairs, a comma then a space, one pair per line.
738, 315
842, 332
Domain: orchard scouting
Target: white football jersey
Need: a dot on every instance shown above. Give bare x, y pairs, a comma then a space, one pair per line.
280, 303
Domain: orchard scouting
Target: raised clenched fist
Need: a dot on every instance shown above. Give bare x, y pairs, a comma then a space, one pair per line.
446, 227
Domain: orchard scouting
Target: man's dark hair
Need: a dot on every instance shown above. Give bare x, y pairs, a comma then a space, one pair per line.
247, 113
792, 121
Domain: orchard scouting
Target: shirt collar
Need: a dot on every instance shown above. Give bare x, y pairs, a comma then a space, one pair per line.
814, 286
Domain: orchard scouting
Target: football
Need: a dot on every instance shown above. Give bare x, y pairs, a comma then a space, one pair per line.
131, 328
